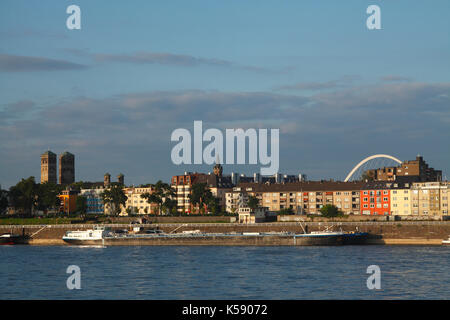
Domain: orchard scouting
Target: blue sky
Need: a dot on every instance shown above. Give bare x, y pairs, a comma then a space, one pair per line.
113, 91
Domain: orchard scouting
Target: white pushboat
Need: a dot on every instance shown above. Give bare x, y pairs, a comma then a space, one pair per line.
446, 241
86, 237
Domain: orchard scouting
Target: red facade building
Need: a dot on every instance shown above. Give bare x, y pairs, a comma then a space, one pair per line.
375, 199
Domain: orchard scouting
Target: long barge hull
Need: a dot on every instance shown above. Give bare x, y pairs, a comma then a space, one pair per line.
226, 240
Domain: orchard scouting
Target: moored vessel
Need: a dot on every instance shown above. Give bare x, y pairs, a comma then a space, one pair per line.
447, 241
11, 239
86, 237
105, 237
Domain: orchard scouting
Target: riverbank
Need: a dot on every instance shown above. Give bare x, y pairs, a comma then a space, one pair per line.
388, 233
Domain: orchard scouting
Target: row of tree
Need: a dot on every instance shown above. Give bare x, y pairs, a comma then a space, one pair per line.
27, 196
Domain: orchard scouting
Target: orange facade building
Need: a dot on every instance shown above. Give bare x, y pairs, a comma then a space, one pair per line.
375, 199
68, 200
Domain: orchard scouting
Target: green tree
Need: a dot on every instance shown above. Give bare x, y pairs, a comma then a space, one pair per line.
3, 200
24, 195
81, 205
213, 205
77, 185
330, 211
201, 196
47, 195
253, 202
170, 205
161, 195
286, 211
115, 197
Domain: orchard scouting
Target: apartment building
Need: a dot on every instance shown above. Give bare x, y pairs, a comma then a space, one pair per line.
218, 184
348, 201
401, 198
417, 170
136, 204
94, 201
235, 199
306, 197
430, 198
375, 199
182, 186
68, 201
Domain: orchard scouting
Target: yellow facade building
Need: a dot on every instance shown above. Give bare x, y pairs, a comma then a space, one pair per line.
401, 202
136, 204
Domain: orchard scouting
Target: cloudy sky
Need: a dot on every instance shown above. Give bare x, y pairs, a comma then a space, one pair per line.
112, 92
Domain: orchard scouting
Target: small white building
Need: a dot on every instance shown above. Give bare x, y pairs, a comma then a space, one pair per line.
248, 215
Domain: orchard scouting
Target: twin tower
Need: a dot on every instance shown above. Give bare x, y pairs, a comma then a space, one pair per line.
66, 168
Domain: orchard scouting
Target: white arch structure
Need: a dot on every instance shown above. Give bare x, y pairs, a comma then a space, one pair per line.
368, 159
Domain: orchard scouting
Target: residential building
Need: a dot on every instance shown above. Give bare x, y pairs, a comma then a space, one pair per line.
430, 198
218, 184
94, 201
306, 197
375, 198
136, 204
234, 199
417, 170
68, 200
400, 198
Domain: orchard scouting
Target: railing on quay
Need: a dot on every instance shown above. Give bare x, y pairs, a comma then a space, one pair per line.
264, 224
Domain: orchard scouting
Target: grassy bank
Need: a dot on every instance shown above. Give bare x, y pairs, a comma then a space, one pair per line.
38, 221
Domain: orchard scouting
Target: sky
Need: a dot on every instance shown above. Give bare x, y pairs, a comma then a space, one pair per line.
113, 92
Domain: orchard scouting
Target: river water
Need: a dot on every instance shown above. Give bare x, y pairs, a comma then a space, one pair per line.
212, 272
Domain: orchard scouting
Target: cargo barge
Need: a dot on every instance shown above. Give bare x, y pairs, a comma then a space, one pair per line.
106, 237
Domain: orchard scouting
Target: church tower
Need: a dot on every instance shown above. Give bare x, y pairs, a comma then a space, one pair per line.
218, 168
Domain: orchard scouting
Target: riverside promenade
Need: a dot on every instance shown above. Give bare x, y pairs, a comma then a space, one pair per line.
389, 233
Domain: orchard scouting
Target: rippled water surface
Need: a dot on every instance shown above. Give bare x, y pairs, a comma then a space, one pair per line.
407, 272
